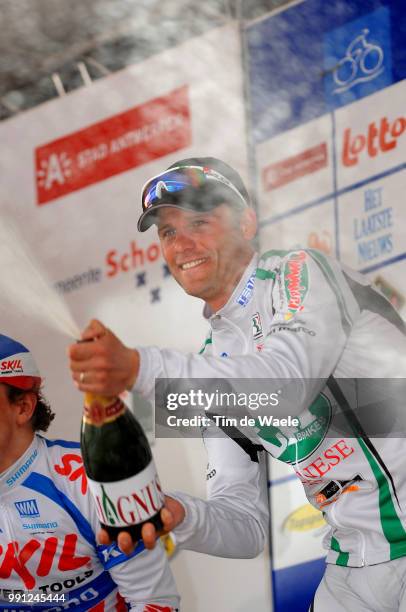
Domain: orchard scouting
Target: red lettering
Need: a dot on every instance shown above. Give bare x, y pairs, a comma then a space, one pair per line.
66, 470
372, 140
378, 140
151, 499
398, 127
342, 447
111, 262
67, 560
140, 502
328, 455
136, 253
100, 509
153, 252
124, 262
121, 512
384, 143
17, 561
318, 465
47, 556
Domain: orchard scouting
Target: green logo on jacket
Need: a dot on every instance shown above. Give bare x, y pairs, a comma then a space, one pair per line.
305, 439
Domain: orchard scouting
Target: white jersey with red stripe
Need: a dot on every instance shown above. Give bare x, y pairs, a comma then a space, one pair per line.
322, 335
49, 557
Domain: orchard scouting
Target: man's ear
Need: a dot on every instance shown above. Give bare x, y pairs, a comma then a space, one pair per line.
25, 407
249, 223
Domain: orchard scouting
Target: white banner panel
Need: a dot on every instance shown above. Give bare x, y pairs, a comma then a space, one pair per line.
72, 171
295, 167
371, 135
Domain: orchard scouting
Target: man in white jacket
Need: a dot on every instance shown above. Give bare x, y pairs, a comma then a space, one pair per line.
311, 328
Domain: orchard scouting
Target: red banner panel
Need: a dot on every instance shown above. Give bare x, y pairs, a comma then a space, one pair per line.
117, 144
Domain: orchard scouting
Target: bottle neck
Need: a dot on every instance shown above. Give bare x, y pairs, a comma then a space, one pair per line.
99, 410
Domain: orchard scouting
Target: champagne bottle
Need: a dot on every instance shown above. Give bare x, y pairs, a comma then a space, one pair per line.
120, 467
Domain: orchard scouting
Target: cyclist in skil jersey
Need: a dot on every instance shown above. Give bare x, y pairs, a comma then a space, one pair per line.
49, 557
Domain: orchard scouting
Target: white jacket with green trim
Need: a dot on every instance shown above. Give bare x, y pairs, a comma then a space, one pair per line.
301, 315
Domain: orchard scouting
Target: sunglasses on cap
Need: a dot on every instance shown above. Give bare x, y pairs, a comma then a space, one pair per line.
179, 178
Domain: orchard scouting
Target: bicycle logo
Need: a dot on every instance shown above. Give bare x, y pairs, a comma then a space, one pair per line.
362, 62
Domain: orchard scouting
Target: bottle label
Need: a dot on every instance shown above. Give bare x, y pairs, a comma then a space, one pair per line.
98, 411
130, 501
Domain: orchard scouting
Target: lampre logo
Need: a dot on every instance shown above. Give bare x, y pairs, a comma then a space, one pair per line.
27, 508
36, 558
115, 145
296, 281
382, 136
11, 366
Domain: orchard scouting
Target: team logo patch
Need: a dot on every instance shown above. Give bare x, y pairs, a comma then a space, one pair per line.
27, 508
257, 326
247, 292
296, 278
298, 445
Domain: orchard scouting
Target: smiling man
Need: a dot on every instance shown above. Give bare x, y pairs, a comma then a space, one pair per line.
285, 315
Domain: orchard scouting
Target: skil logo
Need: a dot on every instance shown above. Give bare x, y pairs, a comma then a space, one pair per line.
11, 366
117, 144
17, 557
296, 281
246, 295
67, 469
362, 62
27, 508
379, 138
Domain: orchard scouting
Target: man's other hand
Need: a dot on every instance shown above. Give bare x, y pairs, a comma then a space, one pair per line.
101, 364
172, 514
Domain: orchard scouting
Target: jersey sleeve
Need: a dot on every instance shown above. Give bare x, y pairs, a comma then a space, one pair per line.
146, 579
233, 521
313, 314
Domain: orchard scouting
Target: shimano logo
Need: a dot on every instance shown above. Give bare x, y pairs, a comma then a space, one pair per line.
10, 481
27, 508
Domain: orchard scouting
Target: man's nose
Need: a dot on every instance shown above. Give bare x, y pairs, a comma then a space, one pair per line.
183, 241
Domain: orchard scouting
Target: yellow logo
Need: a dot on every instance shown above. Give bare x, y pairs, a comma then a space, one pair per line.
304, 518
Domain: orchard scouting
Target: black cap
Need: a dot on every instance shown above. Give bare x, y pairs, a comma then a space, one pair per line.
204, 197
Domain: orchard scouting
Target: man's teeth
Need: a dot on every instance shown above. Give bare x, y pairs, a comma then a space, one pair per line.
192, 264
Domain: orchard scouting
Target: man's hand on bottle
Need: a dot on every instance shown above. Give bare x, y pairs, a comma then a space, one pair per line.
172, 514
101, 364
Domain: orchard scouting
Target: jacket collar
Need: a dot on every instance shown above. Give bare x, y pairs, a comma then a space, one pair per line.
18, 472
242, 294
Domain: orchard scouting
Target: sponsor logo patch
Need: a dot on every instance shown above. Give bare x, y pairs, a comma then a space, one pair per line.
296, 280
247, 292
27, 508
257, 326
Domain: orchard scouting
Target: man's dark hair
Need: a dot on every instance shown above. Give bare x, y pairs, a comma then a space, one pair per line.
43, 415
